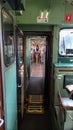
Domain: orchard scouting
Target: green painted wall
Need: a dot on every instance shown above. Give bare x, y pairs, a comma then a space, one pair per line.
9, 85
55, 43
10, 97
35, 27
57, 10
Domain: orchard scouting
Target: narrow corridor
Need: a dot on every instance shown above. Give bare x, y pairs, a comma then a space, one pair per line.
34, 119
36, 122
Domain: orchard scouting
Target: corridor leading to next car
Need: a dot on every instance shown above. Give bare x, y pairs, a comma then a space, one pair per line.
35, 109
36, 121
38, 118
37, 60
35, 90
37, 70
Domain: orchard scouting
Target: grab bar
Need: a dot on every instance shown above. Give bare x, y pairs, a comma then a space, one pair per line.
1, 122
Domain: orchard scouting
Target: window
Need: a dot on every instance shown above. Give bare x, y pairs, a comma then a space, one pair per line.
68, 80
8, 37
19, 56
20, 50
66, 42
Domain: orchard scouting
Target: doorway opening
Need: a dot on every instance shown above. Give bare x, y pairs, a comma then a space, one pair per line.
37, 77
37, 61
37, 64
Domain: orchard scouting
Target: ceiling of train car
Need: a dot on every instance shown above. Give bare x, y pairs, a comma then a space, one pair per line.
69, 1
20, 4
46, 1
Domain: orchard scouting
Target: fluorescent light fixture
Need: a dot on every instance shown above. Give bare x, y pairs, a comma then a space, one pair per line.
42, 14
21, 12
46, 16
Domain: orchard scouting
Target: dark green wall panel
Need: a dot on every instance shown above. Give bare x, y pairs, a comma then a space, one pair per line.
57, 10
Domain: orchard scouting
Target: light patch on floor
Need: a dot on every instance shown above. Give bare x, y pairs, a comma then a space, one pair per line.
37, 70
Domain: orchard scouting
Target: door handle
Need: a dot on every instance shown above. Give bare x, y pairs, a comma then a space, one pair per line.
1, 122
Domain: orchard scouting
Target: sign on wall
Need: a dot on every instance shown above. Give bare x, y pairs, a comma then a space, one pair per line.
43, 17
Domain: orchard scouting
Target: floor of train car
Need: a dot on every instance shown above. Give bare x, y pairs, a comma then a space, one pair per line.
36, 83
36, 121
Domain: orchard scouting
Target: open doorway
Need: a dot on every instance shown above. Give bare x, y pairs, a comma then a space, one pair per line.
38, 57
37, 61
35, 94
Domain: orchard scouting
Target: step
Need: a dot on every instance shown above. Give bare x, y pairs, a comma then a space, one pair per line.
35, 109
35, 99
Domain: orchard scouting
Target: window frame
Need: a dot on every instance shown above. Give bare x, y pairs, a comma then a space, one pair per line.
10, 38
65, 55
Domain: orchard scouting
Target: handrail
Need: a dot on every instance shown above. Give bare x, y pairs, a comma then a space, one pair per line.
1, 122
